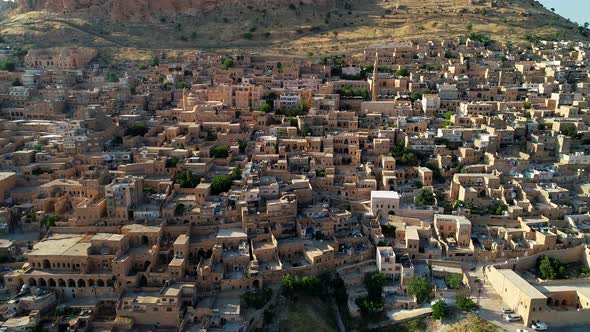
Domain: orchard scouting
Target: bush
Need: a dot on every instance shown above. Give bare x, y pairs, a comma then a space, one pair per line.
440, 310
464, 303
454, 281
369, 308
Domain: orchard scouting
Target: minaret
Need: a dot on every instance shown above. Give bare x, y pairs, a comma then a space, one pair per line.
184, 99
375, 78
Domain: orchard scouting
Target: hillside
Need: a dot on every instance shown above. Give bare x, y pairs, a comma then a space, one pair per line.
273, 26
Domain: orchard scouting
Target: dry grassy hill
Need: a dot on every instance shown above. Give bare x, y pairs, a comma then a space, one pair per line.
344, 26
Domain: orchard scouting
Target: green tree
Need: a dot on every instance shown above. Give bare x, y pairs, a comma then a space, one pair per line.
137, 129
403, 72
388, 230
186, 179
220, 152
440, 310
266, 108
155, 61
454, 281
550, 268
425, 197
257, 298
464, 303
449, 115
221, 184
374, 282
420, 288
227, 63
111, 77
38, 147
7, 65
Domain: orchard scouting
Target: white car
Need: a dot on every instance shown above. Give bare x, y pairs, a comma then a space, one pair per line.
507, 311
539, 326
512, 318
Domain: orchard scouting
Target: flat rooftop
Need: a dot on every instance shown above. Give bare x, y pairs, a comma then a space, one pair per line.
384, 194
231, 233
60, 245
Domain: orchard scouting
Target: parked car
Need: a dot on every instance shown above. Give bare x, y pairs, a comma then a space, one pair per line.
474, 310
539, 326
522, 330
512, 318
506, 311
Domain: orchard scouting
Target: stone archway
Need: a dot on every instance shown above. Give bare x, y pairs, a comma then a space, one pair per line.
42, 282
100, 283
52, 282
71, 283
61, 283
81, 283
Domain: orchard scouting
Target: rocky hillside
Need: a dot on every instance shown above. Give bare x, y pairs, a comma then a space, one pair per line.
134, 10
128, 28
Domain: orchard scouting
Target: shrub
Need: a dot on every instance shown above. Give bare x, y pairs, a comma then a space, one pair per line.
440, 310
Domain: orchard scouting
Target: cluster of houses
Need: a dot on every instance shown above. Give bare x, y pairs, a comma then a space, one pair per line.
159, 190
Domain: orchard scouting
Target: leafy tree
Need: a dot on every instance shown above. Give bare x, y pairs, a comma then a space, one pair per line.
425, 197
550, 268
7, 65
155, 61
569, 131
409, 158
179, 210
137, 129
186, 179
50, 220
416, 96
38, 147
227, 63
369, 308
527, 105
403, 72
220, 152
248, 35
440, 310
420, 288
464, 303
449, 115
388, 230
374, 282
220, 184
257, 298
266, 108
111, 77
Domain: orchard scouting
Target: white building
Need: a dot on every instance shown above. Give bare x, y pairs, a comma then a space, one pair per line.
384, 202
386, 261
